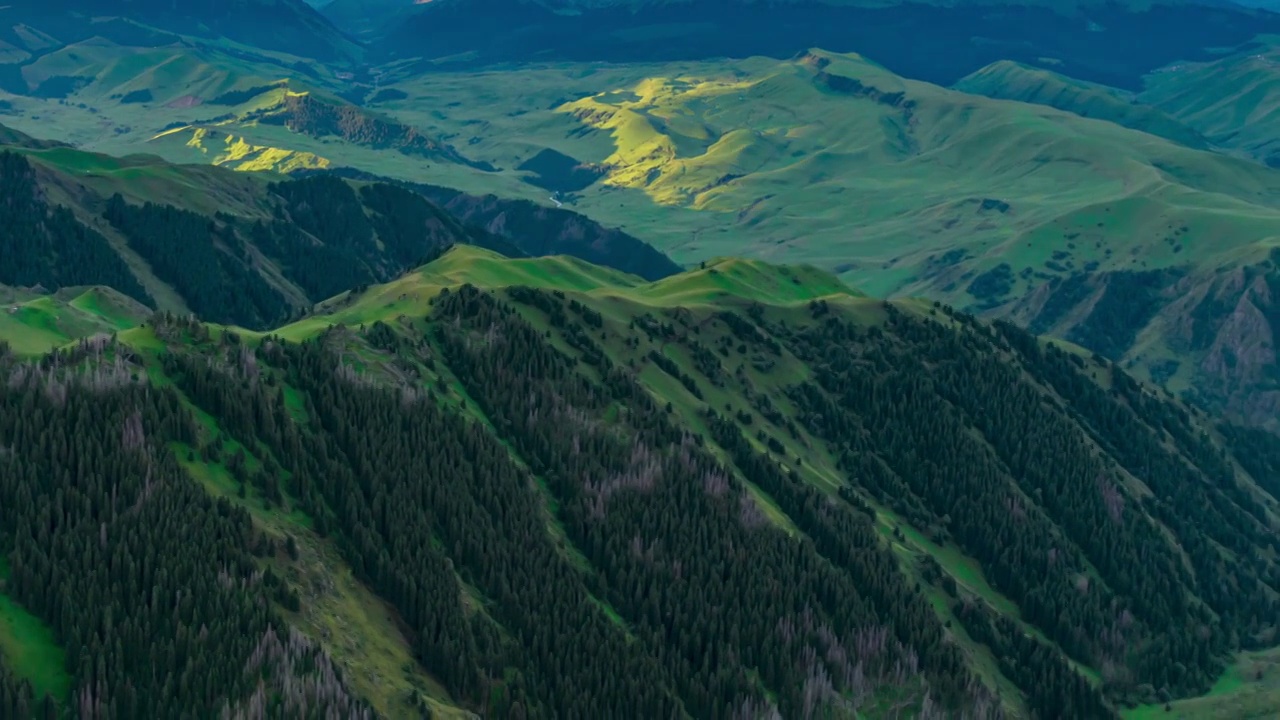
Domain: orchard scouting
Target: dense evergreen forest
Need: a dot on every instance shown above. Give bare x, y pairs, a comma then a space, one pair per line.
46, 246
148, 583
538, 230
581, 509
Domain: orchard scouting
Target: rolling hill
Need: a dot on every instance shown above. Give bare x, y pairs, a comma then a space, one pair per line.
901, 187
1009, 80
250, 249
1234, 101
522, 486
907, 188
276, 111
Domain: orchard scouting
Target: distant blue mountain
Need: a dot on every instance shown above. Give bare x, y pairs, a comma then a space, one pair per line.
290, 26
1111, 43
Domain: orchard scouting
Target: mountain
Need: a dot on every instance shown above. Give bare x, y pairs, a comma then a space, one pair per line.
1009, 80
369, 390
1004, 207
235, 247
288, 26
1088, 40
1207, 333
540, 488
1234, 100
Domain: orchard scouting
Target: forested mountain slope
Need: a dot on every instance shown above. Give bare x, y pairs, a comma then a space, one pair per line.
251, 250
538, 488
1105, 230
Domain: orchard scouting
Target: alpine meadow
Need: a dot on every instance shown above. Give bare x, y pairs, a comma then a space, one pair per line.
705, 359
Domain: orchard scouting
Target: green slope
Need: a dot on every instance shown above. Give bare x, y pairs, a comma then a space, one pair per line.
1008, 80
988, 195
903, 188
1234, 101
37, 324
728, 282
834, 161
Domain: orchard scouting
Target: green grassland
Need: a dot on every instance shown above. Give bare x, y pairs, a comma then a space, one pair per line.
361, 632
1234, 101
35, 324
766, 159
28, 646
1249, 690
1009, 80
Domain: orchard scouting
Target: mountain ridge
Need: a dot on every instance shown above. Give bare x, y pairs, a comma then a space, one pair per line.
619, 33
794, 400
1013, 81
295, 27
278, 245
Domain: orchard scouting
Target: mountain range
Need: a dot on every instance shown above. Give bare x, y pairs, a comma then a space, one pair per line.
715, 359
872, 447
1085, 39
288, 26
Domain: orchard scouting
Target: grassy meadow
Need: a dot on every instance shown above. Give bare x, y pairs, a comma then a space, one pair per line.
1248, 690
35, 324
28, 646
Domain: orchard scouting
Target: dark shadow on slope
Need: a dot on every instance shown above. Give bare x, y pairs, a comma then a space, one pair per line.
538, 230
